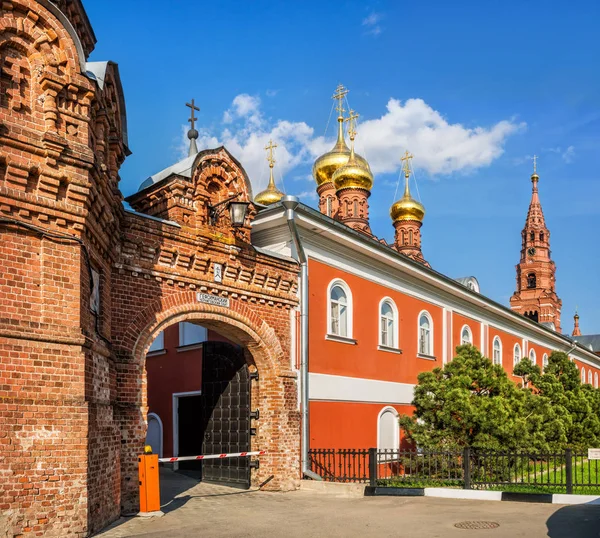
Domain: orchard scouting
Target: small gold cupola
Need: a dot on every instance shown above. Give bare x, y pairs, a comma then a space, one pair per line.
326, 165
352, 183
407, 215
354, 174
407, 208
271, 194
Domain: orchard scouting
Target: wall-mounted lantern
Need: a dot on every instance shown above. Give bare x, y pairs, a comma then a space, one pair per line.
237, 211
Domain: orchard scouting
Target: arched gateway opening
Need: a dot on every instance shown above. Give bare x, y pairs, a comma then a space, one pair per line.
199, 386
242, 399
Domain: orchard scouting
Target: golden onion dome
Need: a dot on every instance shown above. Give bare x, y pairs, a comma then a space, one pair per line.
327, 164
353, 175
271, 194
407, 208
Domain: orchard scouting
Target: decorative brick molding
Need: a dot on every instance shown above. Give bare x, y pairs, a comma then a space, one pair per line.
86, 285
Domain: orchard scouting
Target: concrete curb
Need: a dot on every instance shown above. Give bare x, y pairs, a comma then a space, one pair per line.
470, 494
373, 491
347, 491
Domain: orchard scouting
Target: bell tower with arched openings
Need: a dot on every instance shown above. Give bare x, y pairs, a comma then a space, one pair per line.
535, 296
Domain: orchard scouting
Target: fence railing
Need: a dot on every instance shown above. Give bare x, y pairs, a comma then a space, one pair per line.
342, 465
561, 472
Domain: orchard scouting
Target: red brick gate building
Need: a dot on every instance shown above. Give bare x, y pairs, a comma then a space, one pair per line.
86, 285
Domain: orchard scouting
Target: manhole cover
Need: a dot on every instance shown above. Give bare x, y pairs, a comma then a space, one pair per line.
476, 525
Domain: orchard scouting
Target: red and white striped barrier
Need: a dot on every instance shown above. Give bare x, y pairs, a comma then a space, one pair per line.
213, 456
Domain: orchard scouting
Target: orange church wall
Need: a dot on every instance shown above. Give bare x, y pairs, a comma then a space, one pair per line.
171, 372
458, 322
347, 424
364, 360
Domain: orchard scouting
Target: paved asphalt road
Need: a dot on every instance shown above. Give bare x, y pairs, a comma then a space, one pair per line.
196, 510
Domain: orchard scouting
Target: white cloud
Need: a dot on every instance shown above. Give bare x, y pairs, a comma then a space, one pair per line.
371, 23
244, 106
439, 147
569, 154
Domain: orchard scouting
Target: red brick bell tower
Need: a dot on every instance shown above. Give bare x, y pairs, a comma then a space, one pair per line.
535, 296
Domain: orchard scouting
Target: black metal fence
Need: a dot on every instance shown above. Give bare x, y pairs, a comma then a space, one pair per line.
342, 465
563, 472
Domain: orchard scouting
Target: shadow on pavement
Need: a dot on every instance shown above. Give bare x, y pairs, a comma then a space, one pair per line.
173, 484
577, 521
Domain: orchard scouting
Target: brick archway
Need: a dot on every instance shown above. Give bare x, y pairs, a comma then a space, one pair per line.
277, 429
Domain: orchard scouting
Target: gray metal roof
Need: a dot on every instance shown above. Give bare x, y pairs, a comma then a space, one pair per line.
182, 168
470, 282
591, 341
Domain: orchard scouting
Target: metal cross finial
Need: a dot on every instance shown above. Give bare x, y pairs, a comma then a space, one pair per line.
339, 94
406, 160
535, 158
351, 119
193, 107
270, 149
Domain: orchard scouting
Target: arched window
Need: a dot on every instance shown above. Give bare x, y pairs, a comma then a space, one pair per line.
596, 380
388, 323
388, 430
340, 309
544, 361
465, 335
517, 355
582, 375
355, 209
410, 237
532, 236
497, 351
154, 434
531, 280
541, 236
589, 377
329, 206
425, 334
532, 356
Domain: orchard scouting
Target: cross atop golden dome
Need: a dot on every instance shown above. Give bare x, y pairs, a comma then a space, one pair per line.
407, 208
271, 194
354, 174
326, 165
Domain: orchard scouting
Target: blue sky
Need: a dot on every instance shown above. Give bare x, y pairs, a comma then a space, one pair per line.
472, 89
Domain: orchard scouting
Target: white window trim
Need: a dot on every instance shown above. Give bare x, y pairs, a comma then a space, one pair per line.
396, 427
465, 326
590, 377
595, 380
544, 361
349, 316
431, 334
517, 346
533, 356
177, 395
583, 378
497, 339
395, 335
162, 432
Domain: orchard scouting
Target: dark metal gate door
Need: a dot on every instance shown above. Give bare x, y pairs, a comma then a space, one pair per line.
225, 413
